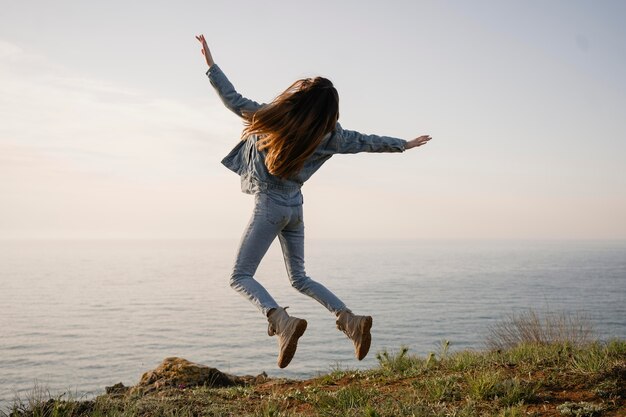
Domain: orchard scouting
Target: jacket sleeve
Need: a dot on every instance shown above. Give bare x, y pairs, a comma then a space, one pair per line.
350, 141
234, 101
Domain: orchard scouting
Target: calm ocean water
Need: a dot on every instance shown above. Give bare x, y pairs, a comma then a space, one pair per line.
80, 315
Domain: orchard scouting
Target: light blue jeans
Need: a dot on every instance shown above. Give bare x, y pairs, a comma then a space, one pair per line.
269, 220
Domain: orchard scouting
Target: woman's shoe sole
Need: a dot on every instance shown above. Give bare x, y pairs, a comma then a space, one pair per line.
292, 344
366, 339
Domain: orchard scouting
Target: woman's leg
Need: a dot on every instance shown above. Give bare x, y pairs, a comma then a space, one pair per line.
267, 220
357, 328
255, 242
292, 243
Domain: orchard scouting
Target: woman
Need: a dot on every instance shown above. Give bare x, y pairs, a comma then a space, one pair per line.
283, 143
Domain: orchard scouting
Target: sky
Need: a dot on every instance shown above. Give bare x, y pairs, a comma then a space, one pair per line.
109, 127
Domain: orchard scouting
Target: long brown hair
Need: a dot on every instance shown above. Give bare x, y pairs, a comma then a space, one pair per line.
294, 124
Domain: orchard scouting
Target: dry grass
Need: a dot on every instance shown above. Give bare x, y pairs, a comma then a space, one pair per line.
530, 328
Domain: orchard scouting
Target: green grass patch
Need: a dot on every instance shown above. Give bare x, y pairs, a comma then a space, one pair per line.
344, 401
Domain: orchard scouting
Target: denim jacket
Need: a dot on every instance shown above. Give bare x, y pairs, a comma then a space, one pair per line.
247, 161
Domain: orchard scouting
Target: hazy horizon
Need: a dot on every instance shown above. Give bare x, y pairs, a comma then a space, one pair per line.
110, 129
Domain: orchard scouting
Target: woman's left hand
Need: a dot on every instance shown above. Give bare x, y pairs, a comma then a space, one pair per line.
205, 51
414, 143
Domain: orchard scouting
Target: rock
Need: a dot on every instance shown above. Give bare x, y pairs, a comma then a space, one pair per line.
260, 378
117, 389
180, 373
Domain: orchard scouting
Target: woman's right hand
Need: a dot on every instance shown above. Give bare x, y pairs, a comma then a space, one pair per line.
205, 51
413, 143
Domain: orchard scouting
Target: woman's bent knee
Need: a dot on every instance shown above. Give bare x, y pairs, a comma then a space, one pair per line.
235, 280
300, 283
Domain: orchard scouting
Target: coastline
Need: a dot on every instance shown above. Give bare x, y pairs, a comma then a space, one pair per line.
538, 379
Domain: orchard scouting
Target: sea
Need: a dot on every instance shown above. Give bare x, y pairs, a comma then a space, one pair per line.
79, 315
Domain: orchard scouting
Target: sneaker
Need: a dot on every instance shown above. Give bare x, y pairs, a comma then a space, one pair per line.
288, 329
357, 328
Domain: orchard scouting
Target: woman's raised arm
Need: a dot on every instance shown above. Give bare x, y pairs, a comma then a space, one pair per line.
234, 101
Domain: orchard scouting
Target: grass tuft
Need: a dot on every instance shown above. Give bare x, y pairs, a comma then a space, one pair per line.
441, 388
340, 402
398, 362
531, 328
483, 385
589, 361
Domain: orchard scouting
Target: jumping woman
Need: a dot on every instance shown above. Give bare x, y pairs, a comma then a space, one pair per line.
283, 143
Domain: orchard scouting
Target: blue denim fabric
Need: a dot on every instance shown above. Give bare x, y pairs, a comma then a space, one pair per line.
247, 161
278, 202
269, 220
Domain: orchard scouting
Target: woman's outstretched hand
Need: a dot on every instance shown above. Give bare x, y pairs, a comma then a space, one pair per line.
413, 143
205, 51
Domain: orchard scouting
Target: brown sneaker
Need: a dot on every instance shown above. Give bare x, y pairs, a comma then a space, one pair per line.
357, 328
289, 329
